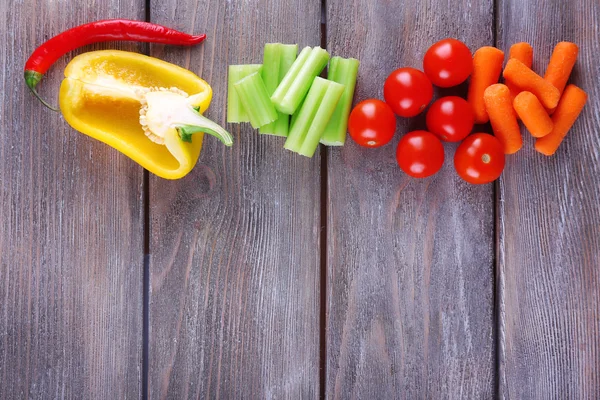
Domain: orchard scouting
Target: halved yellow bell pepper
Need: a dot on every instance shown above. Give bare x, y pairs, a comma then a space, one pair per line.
144, 107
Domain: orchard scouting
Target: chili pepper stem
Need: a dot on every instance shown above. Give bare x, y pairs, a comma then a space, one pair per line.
32, 78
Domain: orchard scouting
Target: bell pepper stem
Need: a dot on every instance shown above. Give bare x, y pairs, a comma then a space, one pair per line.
205, 125
32, 78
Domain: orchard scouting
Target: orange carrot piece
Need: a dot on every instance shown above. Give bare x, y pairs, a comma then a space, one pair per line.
570, 106
561, 64
525, 79
533, 114
523, 52
502, 117
487, 66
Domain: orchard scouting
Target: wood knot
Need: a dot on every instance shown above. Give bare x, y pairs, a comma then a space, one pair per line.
204, 181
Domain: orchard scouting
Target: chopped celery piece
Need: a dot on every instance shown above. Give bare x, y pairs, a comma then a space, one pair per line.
344, 71
235, 109
255, 99
277, 60
296, 83
294, 116
317, 109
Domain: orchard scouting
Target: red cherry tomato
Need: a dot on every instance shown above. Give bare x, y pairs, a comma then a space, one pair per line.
448, 63
372, 123
450, 118
420, 154
407, 91
479, 158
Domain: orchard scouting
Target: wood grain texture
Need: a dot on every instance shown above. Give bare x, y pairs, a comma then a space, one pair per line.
549, 224
235, 247
410, 262
71, 243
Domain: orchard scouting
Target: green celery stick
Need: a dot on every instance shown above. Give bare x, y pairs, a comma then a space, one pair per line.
302, 118
288, 79
344, 71
316, 111
277, 60
255, 99
321, 119
235, 109
294, 116
296, 83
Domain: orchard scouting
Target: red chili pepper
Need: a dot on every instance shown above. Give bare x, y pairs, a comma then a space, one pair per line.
94, 32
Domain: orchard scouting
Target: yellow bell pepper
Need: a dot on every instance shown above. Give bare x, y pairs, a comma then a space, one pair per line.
144, 107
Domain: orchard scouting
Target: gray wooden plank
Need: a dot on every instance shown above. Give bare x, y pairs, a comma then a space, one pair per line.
410, 262
549, 224
71, 243
235, 245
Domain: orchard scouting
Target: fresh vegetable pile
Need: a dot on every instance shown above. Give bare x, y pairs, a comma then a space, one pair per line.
543, 104
286, 97
151, 110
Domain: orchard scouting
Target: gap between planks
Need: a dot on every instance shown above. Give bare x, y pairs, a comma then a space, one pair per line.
496, 296
146, 266
323, 240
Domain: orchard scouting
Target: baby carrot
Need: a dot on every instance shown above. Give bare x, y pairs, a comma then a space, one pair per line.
570, 106
524, 78
502, 117
523, 52
487, 66
533, 114
561, 64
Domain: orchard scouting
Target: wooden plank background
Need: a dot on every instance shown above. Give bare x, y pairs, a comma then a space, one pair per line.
431, 288
235, 245
71, 253
549, 224
410, 262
